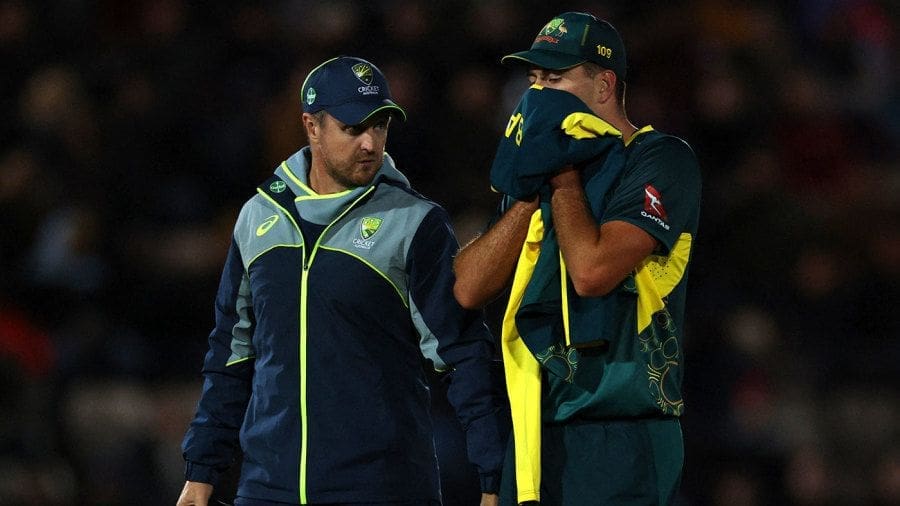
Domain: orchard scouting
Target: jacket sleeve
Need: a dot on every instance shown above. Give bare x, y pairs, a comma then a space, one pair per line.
458, 340
211, 443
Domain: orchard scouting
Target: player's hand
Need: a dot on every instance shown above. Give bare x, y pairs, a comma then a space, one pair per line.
195, 493
490, 500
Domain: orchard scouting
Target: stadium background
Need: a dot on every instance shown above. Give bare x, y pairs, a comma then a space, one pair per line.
132, 132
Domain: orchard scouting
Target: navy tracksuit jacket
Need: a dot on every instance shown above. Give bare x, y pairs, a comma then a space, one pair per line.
326, 306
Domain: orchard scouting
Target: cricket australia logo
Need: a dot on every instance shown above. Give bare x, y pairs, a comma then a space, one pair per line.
368, 227
552, 31
363, 72
366, 75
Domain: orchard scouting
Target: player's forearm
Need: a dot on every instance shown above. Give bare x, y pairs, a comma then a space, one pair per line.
577, 233
597, 257
484, 267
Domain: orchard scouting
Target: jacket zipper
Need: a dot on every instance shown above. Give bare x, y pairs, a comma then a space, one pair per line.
304, 280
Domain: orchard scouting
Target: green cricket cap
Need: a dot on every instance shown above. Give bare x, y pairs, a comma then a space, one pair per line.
573, 38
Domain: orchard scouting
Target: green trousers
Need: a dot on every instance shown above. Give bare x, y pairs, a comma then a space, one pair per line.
605, 463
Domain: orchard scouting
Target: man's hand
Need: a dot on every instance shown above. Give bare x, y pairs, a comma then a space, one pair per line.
490, 500
195, 493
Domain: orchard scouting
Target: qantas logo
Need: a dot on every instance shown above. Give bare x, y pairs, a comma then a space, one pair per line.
653, 202
653, 206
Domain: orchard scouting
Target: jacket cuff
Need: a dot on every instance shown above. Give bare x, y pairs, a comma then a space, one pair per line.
199, 472
490, 483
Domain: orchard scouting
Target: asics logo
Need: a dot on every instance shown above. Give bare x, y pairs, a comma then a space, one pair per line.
266, 225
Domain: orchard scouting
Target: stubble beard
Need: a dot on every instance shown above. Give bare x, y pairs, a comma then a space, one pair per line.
349, 176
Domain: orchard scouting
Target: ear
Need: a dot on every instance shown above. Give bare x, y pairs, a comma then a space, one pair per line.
605, 84
311, 125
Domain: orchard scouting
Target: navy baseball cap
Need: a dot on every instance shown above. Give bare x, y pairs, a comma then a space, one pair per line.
571, 39
350, 89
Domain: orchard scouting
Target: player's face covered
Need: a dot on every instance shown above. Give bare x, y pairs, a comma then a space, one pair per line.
352, 154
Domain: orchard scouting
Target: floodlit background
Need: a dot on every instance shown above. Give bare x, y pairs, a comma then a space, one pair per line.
132, 132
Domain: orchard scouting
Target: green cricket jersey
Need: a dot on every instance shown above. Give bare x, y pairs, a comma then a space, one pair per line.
639, 373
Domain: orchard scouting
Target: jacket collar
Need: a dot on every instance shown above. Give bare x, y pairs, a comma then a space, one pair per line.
323, 209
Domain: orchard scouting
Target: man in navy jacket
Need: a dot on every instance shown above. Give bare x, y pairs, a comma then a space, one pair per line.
338, 282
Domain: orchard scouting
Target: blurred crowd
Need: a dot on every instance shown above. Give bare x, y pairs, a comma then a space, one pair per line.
133, 131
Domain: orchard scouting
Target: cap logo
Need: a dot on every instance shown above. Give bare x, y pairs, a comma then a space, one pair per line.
310, 95
363, 72
604, 51
552, 31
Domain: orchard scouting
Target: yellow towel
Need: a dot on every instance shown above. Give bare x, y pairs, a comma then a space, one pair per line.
523, 373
